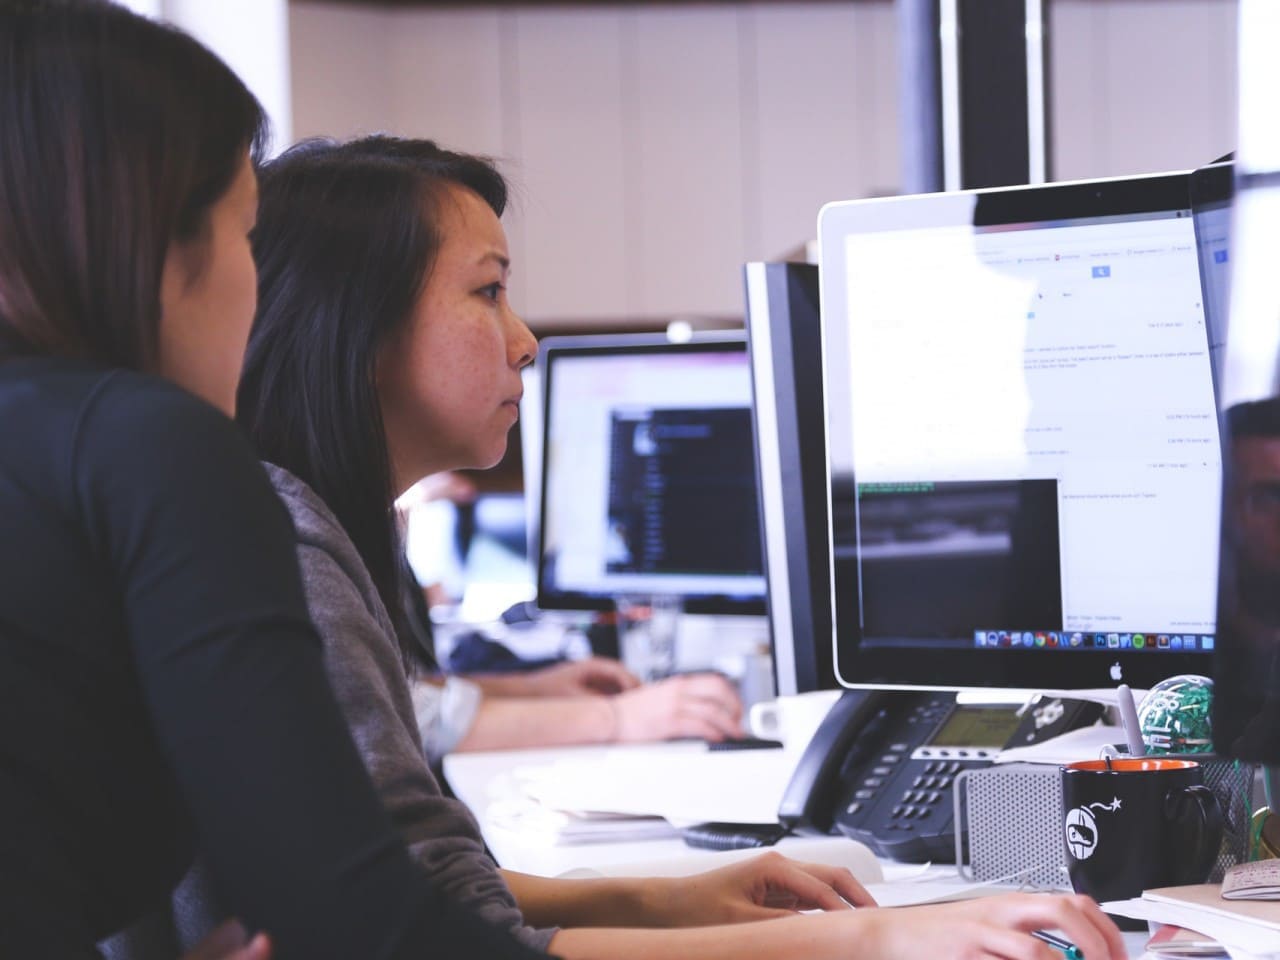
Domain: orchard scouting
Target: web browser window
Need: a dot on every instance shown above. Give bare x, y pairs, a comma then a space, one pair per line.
1075, 354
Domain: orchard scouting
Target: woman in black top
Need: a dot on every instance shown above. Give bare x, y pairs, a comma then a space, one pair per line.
162, 686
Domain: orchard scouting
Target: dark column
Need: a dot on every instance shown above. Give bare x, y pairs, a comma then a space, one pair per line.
919, 96
974, 97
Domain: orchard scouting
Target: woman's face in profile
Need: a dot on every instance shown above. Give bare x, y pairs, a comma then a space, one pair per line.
208, 294
449, 379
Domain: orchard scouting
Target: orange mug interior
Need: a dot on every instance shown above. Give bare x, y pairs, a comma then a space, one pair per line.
1131, 765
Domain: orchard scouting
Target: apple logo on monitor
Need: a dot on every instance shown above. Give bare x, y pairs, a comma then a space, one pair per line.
1116, 672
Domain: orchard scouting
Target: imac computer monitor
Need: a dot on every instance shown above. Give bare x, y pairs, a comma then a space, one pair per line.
1024, 466
648, 482
784, 341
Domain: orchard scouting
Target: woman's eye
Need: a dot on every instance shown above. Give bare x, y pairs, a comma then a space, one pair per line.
492, 291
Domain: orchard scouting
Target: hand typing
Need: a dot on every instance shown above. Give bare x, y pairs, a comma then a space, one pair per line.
763, 887
702, 705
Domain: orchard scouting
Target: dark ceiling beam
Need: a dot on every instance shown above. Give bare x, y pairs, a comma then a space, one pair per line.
458, 5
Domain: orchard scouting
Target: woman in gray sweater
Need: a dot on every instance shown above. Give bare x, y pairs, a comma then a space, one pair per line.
384, 350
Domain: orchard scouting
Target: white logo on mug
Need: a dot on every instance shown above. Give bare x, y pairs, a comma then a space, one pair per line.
1082, 833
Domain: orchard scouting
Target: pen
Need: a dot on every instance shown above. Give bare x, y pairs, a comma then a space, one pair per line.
1069, 949
1129, 721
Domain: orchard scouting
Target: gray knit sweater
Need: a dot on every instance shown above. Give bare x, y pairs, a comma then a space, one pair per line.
365, 668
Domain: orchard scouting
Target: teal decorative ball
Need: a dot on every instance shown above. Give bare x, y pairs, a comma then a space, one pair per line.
1175, 715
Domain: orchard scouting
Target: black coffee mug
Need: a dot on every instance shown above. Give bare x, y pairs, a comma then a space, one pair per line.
1134, 824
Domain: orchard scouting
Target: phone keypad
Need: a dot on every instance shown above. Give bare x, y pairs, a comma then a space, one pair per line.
897, 797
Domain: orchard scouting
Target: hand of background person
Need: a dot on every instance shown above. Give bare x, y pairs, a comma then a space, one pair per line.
448, 485
704, 705
761, 888
227, 942
995, 927
438, 486
598, 675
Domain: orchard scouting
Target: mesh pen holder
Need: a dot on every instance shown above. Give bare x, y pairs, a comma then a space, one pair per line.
1010, 814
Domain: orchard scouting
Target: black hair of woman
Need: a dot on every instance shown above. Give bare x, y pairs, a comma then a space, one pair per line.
85, 178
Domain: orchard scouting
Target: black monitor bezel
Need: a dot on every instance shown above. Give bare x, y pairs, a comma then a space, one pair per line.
552, 348
983, 667
784, 342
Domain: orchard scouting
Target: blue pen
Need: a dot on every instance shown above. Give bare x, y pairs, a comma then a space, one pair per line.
1069, 949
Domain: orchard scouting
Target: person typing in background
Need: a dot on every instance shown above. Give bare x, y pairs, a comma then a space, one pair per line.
592, 700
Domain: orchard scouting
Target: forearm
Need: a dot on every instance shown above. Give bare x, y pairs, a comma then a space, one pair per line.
812, 937
511, 723
503, 684
595, 902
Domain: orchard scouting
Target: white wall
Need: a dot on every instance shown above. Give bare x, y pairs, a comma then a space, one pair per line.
252, 36
656, 147
1141, 85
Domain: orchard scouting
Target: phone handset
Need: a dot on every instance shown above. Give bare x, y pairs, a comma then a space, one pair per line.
842, 743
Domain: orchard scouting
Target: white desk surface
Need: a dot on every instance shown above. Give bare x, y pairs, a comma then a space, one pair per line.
478, 778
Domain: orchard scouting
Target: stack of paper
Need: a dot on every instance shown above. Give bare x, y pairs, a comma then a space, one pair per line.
541, 823
1248, 929
742, 786
639, 794
1085, 743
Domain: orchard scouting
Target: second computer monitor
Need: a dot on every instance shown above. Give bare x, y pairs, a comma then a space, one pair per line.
648, 482
784, 337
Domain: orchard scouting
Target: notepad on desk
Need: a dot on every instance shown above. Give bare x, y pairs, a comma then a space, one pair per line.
1257, 880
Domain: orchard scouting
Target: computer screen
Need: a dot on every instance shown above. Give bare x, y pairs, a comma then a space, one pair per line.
648, 481
784, 340
1023, 456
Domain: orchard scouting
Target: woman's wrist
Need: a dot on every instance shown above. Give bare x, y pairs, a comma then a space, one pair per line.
609, 724
652, 901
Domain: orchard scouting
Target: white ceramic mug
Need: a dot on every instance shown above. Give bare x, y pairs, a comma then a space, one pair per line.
791, 719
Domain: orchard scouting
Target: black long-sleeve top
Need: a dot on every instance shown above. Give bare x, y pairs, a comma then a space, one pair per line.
161, 689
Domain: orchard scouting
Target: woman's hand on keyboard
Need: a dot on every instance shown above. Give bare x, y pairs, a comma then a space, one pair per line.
761, 888
703, 705
992, 927
577, 677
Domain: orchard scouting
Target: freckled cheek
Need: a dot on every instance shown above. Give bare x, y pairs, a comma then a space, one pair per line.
477, 362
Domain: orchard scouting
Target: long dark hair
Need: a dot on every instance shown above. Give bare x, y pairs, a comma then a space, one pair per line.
118, 135
346, 238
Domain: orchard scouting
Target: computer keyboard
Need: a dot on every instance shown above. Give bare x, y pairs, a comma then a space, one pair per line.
744, 743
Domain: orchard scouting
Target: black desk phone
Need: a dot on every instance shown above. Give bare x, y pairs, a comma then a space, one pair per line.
881, 766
